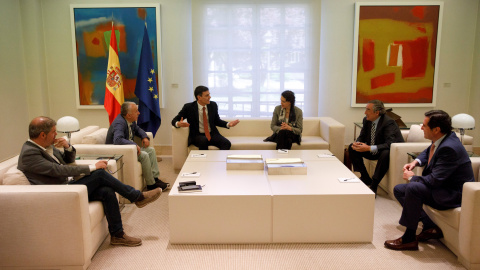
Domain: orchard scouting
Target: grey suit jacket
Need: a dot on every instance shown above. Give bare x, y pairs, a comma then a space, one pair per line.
41, 169
297, 125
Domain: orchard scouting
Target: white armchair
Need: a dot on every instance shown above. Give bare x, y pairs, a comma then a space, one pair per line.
94, 143
461, 226
414, 142
47, 226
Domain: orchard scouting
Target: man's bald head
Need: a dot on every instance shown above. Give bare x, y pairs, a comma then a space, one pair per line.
40, 124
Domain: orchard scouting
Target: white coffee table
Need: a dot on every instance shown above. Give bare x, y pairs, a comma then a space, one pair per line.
240, 206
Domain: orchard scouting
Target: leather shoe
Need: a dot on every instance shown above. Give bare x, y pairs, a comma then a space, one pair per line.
149, 196
432, 233
398, 245
125, 240
163, 185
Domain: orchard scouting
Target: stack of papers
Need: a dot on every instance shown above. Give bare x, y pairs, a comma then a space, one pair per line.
349, 180
245, 156
283, 160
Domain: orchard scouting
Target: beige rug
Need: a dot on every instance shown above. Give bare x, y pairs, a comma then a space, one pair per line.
151, 225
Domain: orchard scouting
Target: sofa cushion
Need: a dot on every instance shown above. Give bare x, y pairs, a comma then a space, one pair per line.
15, 177
95, 209
450, 217
415, 134
97, 137
77, 137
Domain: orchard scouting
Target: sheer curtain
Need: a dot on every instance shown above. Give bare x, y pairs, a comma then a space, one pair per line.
248, 52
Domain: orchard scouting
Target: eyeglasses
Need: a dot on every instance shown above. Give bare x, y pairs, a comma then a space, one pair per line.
121, 166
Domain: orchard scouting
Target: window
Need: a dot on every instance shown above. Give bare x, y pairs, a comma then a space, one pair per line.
249, 54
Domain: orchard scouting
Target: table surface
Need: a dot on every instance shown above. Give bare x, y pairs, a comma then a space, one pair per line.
323, 171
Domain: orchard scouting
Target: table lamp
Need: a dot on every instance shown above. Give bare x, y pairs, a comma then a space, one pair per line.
68, 124
463, 122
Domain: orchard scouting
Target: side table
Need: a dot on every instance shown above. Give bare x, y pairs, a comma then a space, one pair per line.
117, 157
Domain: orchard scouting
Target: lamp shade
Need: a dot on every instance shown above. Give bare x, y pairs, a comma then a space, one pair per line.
68, 124
463, 121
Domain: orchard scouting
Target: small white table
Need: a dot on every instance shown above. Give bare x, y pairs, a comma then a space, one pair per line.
250, 206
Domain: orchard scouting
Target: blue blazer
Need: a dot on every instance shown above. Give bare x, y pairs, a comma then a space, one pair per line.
448, 170
118, 132
190, 111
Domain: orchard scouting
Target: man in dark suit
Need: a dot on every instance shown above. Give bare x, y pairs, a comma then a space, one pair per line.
203, 119
378, 132
447, 168
122, 131
44, 164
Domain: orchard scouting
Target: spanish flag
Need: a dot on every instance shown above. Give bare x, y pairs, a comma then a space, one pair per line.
114, 86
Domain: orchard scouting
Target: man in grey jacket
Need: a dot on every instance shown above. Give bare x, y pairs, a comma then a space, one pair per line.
44, 164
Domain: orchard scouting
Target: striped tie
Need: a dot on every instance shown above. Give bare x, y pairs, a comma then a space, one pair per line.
372, 141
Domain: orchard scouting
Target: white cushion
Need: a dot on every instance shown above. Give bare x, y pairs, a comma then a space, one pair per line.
97, 137
415, 134
15, 177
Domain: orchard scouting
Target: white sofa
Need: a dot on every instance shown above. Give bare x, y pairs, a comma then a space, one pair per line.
47, 226
461, 226
414, 142
91, 140
318, 133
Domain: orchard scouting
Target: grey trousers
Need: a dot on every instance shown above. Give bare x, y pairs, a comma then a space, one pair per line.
148, 159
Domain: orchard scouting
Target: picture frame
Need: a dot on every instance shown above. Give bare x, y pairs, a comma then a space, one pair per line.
396, 53
90, 27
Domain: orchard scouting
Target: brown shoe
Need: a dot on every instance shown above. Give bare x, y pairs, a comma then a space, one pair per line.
125, 240
149, 196
433, 233
398, 245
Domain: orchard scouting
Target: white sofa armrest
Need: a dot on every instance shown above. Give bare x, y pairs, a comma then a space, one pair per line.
131, 168
333, 132
469, 231
45, 225
179, 146
398, 158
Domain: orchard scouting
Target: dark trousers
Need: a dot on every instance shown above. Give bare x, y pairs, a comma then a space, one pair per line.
412, 197
285, 139
217, 140
101, 186
381, 169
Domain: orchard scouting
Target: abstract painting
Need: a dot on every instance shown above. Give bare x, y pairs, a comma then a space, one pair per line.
91, 28
396, 53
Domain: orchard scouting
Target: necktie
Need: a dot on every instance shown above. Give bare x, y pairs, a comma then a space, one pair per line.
432, 149
205, 124
372, 135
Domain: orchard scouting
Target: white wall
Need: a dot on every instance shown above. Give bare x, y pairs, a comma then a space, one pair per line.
475, 93
14, 120
455, 62
40, 32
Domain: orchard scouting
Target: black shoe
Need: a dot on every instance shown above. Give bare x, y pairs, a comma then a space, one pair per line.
152, 187
161, 184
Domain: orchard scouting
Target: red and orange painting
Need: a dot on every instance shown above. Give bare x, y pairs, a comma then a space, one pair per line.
396, 54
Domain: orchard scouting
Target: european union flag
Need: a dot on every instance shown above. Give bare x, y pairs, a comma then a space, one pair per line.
146, 90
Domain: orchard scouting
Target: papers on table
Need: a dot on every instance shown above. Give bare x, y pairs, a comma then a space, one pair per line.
325, 155
244, 156
283, 160
191, 174
349, 180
